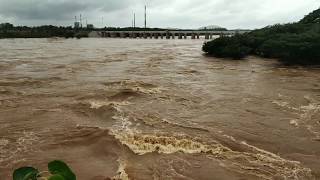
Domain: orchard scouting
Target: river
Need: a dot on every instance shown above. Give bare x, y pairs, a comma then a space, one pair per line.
155, 109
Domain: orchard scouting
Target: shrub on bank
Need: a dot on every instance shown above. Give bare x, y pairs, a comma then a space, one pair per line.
296, 43
232, 47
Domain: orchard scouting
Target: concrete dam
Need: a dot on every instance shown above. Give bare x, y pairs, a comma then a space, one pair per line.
168, 34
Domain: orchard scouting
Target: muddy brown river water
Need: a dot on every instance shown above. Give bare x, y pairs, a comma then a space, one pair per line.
155, 109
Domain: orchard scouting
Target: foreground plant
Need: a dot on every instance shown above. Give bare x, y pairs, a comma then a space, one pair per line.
58, 171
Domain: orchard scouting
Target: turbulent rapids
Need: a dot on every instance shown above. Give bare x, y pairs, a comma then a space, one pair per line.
145, 109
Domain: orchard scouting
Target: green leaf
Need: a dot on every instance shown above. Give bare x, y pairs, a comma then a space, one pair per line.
61, 168
56, 177
25, 173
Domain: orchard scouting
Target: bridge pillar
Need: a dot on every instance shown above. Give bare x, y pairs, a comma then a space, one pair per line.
156, 35
113, 35
145, 35
185, 36
193, 36
173, 35
206, 36
211, 35
161, 35
134, 35
180, 36
122, 35
168, 35
198, 36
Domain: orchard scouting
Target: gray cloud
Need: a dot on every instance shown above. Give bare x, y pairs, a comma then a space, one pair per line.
161, 13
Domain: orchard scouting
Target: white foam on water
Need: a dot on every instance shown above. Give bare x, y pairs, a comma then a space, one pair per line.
309, 110
99, 104
121, 173
294, 122
3, 148
305, 114
4, 142
9, 150
284, 105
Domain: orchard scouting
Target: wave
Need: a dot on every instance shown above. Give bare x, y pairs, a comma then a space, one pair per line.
95, 109
256, 161
20, 82
134, 86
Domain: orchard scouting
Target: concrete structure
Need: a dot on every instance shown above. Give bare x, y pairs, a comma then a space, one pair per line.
168, 34
90, 26
76, 25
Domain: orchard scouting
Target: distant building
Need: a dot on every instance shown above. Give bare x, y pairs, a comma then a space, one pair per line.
90, 26
76, 25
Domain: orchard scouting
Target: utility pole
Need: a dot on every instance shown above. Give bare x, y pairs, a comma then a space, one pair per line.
145, 17
80, 20
102, 21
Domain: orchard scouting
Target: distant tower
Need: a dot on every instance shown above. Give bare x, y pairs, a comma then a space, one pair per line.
145, 17
134, 20
76, 23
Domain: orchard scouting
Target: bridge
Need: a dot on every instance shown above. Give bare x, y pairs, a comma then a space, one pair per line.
168, 34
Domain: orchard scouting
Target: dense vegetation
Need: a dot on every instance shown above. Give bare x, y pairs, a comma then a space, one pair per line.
295, 43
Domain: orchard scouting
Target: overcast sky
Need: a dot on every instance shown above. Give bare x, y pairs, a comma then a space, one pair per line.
161, 13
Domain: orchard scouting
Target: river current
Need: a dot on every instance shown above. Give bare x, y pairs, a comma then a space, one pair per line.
155, 109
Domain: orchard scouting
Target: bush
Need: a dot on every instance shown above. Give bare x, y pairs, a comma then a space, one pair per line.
227, 47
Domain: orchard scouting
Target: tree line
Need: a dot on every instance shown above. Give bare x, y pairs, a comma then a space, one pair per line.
9, 31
